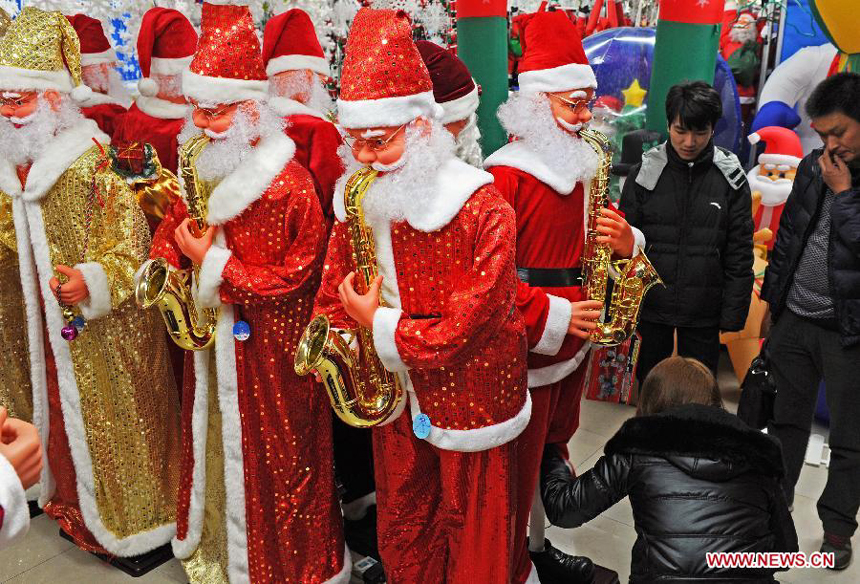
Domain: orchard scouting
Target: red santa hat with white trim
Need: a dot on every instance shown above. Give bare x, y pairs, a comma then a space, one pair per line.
95, 46
553, 58
227, 66
290, 44
384, 81
165, 46
453, 86
782, 146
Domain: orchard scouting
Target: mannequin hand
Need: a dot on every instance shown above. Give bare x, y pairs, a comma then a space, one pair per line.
360, 308
74, 290
616, 231
834, 172
20, 445
583, 317
193, 248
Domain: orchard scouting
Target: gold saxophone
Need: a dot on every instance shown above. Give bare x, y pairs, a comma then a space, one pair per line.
362, 392
635, 276
169, 288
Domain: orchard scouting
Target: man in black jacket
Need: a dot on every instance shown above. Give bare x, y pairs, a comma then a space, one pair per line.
813, 287
692, 202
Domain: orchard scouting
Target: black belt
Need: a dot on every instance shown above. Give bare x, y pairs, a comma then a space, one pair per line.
551, 277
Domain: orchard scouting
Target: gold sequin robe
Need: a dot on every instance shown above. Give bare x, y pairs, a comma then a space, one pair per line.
117, 398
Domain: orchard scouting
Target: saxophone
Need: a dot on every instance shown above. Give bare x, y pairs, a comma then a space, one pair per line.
169, 288
362, 392
634, 276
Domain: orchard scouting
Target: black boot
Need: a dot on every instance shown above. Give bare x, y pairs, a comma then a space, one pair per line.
556, 567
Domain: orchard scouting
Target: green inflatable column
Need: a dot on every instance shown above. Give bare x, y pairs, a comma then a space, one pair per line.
482, 43
688, 37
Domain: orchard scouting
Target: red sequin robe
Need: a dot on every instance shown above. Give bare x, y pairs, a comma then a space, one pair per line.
317, 141
153, 121
551, 213
283, 523
452, 334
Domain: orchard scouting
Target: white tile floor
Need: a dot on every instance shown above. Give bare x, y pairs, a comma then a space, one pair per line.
44, 558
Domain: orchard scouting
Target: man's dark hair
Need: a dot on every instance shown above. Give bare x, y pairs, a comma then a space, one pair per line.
695, 103
839, 93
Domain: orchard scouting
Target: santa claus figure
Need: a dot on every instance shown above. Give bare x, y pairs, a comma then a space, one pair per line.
297, 70
257, 500
544, 174
165, 47
109, 98
740, 46
448, 328
774, 174
104, 400
456, 91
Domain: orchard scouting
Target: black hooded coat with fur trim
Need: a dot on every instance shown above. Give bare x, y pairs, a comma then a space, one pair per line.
699, 480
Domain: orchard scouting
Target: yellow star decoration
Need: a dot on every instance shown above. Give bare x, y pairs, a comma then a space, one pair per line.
634, 95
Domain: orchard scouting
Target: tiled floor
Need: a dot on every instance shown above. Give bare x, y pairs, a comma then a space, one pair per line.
44, 558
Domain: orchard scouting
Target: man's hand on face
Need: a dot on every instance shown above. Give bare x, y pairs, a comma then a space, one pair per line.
834, 172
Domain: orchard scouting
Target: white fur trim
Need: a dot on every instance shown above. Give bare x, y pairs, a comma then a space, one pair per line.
520, 156
163, 66
555, 330
342, 577
147, 87
476, 439
384, 335
16, 512
183, 548
108, 56
217, 90
562, 78
97, 98
557, 371
284, 106
161, 108
460, 108
98, 303
246, 184
81, 94
638, 241
70, 403
297, 63
778, 159
387, 111
59, 154
209, 280
32, 80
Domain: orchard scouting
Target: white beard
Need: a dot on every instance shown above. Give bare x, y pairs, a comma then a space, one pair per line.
743, 33
529, 118
226, 152
773, 192
311, 93
468, 143
109, 83
26, 143
412, 184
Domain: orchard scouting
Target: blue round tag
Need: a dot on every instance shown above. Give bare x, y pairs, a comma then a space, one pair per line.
241, 331
79, 323
421, 426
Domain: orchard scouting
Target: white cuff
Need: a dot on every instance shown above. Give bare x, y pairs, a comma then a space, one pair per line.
16, 512
384, 328
98, 302
638, 241
210, 278
555, 330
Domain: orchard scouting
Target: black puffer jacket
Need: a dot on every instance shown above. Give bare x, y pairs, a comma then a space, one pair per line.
699, 481
698, 225
796, 224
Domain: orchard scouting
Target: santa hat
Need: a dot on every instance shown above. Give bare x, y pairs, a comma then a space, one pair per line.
165, 46
40, 51
553, 58
384, 81
95, 46
227, 66
783, 146
453, 86
290, 43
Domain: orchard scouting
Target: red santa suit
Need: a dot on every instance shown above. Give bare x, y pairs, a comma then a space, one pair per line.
153, 121
290, 44
256, 472
449, 330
